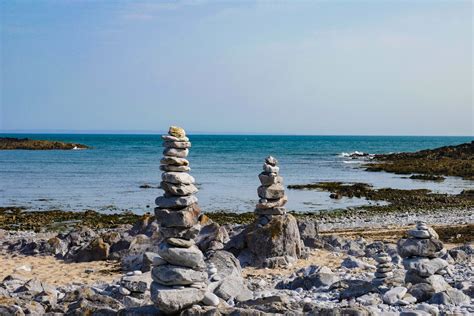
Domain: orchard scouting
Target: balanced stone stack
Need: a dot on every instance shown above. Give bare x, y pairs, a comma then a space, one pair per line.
271, 192
179, 274
384, 268
422, 252
273, 238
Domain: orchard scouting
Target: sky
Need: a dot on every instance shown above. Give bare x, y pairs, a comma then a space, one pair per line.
243, 67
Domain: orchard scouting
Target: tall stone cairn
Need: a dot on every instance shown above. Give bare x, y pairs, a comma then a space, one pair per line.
273, 238
179, 274
421, 253
271, 192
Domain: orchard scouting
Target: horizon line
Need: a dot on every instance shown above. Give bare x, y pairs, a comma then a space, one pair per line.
151, 132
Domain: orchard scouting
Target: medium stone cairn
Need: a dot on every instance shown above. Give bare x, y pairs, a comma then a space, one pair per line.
273, 238
271, 192
421, 253
179, 274
384, 268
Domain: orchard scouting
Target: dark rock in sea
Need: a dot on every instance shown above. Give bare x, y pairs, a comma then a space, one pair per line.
427, 177
9, 143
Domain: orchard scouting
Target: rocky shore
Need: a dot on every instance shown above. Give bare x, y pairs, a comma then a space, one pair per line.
10, 143
448, 161
411, 255
338, 272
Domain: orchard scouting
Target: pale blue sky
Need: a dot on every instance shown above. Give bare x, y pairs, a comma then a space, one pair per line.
286, 67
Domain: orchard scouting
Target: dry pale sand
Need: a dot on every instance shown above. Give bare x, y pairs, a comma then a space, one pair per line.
57, 272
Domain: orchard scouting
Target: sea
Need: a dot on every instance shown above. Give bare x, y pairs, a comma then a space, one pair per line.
107, 177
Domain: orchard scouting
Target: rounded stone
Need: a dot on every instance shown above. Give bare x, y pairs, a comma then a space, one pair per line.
275, 191
177, 131
416, 233
183, 218
177, 178
210, 299
178, 242
170, 168
265, 203
268, 179
270, 169
176, 275
176, 152
174, 161
182, 145
170, 138
271, 161
178, 189
190, 257
175, 202
172, 300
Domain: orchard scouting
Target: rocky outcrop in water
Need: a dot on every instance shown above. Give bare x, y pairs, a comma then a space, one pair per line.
9, 143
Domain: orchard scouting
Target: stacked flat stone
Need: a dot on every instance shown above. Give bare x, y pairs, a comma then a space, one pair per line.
179, 274
421, 253
384, 268
271, 192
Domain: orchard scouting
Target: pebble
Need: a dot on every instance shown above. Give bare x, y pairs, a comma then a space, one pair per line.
124, 291
210, 299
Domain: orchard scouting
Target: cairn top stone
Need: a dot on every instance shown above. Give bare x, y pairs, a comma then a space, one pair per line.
177, 132
271, 160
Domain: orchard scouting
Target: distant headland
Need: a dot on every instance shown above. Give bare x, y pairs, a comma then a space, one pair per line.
10, 143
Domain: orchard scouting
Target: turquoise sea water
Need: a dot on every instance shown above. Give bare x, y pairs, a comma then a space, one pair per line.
108, 176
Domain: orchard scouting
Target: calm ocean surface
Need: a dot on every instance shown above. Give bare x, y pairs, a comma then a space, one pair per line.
108, 176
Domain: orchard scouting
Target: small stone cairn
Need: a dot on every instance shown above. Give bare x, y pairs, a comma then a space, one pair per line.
384, 268
271, 192
421, 253
179, 274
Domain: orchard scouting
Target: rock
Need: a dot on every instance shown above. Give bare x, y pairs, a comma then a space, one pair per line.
186, 217
270, 169
178, 189
176, 131
124, 291
424, 266
95, 251
450, 297
137, 283
353, 288
177, 178
172, 300
180, 232
267, 179
272, 161
57, 247
174, 139
33, 286
352, 263
210, 299
313, 280
170, 168
174, 161
172, 144
423, 234
422, 292
436, 281
264, 203
150, 259
394, 294
147, 310
419, 247
280, 237
212, 237
176, 275
175, 152
190, 257
175, 202
272, 192
184, 243
459, 255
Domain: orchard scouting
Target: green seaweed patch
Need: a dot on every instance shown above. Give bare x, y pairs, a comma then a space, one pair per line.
398, 200
15, 218
223, 218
